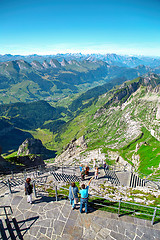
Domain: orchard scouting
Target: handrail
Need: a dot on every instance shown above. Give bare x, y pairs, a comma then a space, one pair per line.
39, 167
122, 208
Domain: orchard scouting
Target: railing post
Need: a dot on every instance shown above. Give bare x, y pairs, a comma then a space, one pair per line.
9, 186
119, 207
34, 189
56, 193
154, 214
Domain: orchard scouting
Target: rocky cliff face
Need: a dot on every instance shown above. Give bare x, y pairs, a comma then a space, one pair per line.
72, 150
31, 146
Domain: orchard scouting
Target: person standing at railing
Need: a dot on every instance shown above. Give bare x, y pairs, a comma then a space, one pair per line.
73, 195
28, 190
84, 196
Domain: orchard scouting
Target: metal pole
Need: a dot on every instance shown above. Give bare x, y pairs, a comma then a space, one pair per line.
34, 189
119, 207
9, 186
154, 214
56, 193
12, 174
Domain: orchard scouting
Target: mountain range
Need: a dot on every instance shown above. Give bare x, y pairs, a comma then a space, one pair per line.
112, 59
116, 108
21, 81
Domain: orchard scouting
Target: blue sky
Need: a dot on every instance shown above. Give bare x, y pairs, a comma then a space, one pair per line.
52, 26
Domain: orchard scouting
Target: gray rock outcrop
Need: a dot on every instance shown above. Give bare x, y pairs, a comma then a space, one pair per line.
73, 149
31, 146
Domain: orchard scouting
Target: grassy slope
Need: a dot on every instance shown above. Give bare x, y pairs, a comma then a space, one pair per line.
108, 131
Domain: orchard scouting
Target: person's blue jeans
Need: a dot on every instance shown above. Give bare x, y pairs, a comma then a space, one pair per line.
72, 202
83, 202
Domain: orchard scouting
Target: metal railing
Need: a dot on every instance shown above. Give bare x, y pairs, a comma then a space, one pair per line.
142, 210
40, 169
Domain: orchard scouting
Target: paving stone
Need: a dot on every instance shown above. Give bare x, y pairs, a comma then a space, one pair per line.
66, 211
137, 238
127, 238
54, 236
116, 235
53, 214
139, 233
43, 223
16, 200
130, 234
157, 226
121, 228
89, 235
30, 214
52, 223
113, 226
139, 221
102, 214
73, 215
43, 238
34, 230
69, 226
29, 237
110, 238
149, 231
50, 206
43, 230
104, 232
147, 237
101, 221
58, 227
35, 208
61, 217
129, 226
77, 232
84, 220
64, 237
95, 227
49, 232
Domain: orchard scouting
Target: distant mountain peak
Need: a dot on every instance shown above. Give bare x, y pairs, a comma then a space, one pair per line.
46, 64
54, 63
36, 65
64, 63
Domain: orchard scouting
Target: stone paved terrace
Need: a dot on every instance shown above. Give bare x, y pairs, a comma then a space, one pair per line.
47, 219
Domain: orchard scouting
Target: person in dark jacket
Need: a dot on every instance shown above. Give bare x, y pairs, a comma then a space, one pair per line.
28, 190
87, 170
73, 195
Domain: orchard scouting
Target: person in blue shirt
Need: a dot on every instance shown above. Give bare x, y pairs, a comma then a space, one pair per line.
81, 168
84, 196
73, 195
